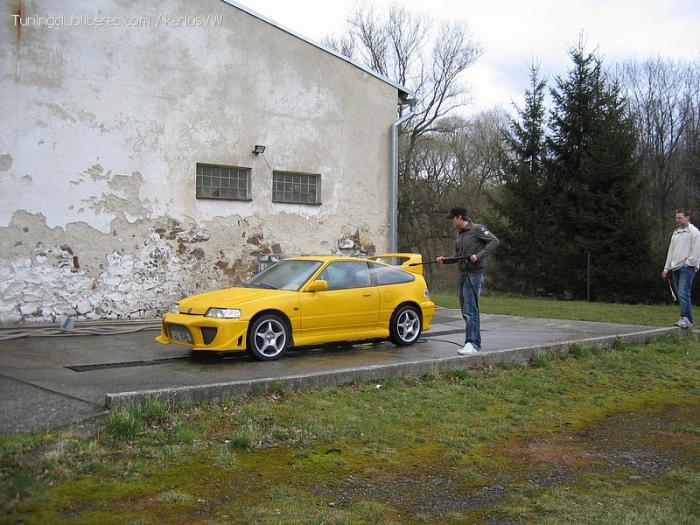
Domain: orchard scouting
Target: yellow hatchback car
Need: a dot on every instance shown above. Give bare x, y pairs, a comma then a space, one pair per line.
307, 301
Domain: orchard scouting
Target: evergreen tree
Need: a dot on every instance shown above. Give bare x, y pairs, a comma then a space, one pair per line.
522, 202
596, 188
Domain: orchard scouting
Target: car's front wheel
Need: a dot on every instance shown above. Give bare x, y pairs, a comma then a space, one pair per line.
405, 326
268, 337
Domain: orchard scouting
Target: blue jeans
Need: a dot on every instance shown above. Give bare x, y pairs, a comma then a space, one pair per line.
469, 304
683, 282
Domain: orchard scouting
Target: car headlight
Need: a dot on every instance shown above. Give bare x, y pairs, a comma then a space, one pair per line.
174, 309
223, 313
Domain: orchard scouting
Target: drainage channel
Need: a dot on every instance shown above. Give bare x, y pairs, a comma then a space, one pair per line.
151, 362
124, 364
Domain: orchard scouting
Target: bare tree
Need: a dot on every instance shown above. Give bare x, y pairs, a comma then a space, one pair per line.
480, 150
456, 164
428, 58
413, 51
343, 44
664, 98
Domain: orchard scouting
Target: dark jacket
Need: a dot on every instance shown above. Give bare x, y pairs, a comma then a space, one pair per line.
474, 239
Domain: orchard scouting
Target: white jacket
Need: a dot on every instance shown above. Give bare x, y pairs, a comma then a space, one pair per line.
684, 249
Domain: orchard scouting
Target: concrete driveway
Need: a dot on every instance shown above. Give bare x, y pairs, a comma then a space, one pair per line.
49, 382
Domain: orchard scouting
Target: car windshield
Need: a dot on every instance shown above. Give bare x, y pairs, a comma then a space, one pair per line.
288, 274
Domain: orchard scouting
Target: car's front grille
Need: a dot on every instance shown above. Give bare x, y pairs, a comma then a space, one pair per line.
208, 335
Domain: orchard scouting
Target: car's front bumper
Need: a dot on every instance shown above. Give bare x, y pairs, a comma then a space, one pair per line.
205, 333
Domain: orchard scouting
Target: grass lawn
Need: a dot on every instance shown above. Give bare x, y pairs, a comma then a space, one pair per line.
651, 315
590, 436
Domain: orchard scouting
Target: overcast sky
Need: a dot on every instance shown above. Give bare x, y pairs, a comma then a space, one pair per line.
513, 33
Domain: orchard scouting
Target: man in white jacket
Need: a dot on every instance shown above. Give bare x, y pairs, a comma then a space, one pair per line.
683, 261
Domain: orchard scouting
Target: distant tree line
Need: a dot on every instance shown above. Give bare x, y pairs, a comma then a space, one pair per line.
581, 183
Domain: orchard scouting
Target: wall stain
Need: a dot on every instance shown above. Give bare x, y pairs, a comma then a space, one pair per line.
18, 41
256, 239
356, 244
19, 12
6, 162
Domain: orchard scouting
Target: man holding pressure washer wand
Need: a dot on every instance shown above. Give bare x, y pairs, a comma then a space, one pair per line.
473, 244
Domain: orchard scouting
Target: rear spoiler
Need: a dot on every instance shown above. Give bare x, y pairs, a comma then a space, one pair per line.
410, 262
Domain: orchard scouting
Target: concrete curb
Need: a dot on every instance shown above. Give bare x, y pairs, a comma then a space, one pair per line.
229, 390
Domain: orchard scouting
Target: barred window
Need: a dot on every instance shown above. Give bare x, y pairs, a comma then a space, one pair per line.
223, 182
297, 188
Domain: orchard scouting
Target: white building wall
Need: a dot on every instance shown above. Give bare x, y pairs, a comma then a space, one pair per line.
101, 130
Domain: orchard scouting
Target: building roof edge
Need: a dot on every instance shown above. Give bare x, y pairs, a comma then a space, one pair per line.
404, 92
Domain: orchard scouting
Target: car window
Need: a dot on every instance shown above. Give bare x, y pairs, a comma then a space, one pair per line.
346, 274
288, 274
382, 275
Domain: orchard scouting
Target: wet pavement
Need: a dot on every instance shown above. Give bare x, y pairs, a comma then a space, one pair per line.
49, 382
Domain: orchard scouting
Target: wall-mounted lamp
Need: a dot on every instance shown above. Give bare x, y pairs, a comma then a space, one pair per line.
411, 102
258, 149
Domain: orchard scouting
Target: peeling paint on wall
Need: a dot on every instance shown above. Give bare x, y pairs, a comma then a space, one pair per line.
357, 244
139, 269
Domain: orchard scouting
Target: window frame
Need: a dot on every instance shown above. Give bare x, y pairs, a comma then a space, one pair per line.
245, 170
316, 176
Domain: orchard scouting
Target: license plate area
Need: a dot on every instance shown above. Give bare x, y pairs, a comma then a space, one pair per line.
180, 333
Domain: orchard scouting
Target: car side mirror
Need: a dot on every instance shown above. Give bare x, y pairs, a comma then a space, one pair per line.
318, 285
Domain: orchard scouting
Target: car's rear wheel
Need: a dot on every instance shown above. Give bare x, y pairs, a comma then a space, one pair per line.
268, 337
405, 326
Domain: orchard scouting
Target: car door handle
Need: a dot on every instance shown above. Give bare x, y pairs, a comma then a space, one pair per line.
366, 295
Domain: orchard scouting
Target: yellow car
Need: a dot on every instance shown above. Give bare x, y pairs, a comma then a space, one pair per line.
307, 301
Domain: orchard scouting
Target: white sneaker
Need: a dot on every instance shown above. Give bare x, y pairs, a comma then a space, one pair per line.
468, 349
683, 322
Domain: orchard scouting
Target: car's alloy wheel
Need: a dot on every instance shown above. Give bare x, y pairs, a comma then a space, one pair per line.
268, 337
405, 326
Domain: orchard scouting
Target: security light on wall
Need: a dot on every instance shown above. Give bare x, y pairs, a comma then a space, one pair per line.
258, 149
410, 102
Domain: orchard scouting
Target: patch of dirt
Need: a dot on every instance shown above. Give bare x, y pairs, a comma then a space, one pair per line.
630, 446
418, 493
638, 446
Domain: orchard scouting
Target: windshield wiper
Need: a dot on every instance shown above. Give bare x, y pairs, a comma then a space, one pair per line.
264, 285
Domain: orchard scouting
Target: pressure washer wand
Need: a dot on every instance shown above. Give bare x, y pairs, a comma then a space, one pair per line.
445, 260
448, 260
